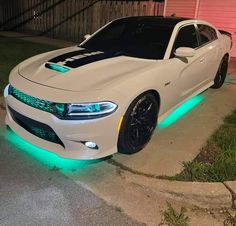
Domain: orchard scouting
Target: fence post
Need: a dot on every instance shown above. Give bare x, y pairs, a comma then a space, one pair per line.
1, 15
96, 16
150, 9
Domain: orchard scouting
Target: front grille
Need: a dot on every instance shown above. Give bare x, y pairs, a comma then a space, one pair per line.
35, 102
36, 128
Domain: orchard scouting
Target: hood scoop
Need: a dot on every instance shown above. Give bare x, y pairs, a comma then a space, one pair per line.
57, 68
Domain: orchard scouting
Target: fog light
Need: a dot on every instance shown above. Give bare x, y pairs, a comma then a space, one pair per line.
91, 145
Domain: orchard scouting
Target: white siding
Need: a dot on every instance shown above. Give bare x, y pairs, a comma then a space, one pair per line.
222, 14
181, 8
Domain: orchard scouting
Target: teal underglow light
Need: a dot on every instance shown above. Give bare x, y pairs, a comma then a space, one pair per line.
58, 68
47, 158
180, 111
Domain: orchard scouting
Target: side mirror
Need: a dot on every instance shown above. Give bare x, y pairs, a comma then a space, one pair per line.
87, 36
185, 52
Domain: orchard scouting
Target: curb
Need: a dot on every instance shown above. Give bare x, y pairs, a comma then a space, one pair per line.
231, 186
215, 195
200, 194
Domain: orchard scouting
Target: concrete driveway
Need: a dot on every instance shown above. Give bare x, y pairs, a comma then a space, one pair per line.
37, 188
184, 132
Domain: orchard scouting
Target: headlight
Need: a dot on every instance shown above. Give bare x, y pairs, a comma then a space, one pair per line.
85, 111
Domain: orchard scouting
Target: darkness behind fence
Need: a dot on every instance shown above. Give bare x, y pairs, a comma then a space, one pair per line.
69, 19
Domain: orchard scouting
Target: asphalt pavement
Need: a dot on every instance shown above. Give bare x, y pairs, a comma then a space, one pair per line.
34, 194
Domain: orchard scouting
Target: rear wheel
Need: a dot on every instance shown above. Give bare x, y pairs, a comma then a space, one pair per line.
138, 124
221, 73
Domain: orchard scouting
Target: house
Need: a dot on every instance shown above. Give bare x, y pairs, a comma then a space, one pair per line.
220, 13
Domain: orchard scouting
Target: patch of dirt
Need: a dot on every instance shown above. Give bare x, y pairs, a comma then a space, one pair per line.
2, 107
208, 153
232, 65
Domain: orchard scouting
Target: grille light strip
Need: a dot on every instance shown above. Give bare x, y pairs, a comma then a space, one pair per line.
31, 101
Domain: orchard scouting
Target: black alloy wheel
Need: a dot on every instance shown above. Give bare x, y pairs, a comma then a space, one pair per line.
138, 124
221, 73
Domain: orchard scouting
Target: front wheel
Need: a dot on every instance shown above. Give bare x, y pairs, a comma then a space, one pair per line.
221, 73
138, 124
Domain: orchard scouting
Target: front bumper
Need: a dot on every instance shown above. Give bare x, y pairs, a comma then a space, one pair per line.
72, 133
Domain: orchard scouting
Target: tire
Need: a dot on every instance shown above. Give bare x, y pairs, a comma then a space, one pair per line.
138, 124
221, 73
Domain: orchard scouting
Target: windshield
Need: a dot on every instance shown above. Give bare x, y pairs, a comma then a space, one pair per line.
137, 38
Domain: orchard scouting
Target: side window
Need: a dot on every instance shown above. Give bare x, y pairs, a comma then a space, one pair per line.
187, 37
207, 34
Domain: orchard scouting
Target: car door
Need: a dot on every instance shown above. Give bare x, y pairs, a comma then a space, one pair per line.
191, 70
209, 51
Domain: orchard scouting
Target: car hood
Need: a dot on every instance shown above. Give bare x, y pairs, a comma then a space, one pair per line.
86, 69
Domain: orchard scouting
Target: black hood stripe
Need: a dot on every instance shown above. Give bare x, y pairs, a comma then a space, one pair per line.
82, 57
63, 57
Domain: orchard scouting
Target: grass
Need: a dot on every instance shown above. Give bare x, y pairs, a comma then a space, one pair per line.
217, 159
14, 51
230, 219
172, 218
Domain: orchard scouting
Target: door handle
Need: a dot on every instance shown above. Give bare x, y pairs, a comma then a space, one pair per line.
202, 60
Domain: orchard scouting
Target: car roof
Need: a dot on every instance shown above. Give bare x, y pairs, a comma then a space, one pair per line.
171, 21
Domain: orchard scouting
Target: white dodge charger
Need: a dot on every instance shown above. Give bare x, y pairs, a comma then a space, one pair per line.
107, 94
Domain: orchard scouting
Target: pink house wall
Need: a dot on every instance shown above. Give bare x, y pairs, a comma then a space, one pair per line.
221, 14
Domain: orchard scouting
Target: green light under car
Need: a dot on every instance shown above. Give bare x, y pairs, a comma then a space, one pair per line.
180, 111
45, 157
